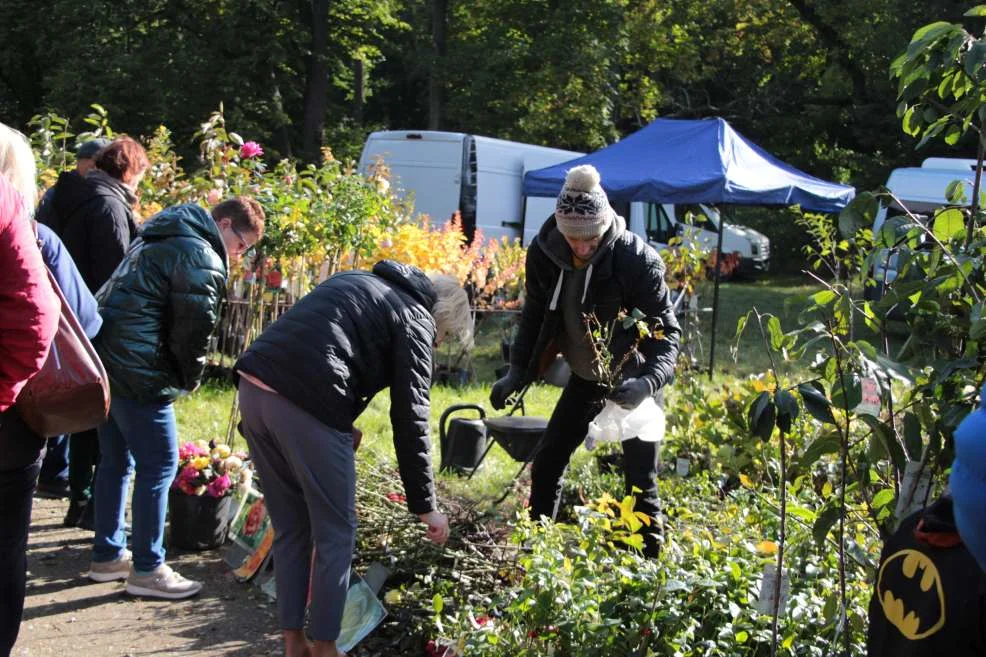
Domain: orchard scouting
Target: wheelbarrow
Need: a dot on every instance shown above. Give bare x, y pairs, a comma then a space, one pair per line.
465, 443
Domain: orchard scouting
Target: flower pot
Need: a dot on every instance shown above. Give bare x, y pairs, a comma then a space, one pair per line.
198, 522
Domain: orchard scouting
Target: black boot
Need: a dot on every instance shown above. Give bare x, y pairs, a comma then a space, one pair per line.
76, 509
88, 519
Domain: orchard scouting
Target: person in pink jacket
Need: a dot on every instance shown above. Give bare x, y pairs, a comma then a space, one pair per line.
29, 312
28, 307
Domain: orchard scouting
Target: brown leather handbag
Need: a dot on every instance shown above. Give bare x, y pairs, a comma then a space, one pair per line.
71, 393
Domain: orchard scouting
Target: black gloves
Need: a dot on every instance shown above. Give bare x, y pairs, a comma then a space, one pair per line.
505, 387
631, 392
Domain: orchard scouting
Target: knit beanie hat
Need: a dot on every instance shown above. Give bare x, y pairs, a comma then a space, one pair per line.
582, 211
968, 481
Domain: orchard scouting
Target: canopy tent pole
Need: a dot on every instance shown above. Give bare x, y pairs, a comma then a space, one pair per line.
715, 296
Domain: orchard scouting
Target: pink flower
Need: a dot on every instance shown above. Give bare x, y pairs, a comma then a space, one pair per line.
190, 450
396, 497
188, 474
251, 149
219, 486
214, 196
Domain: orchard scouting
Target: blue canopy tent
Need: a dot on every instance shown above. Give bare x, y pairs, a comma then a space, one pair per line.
696, 161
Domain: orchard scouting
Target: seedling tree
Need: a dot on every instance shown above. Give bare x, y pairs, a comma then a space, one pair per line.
928, 372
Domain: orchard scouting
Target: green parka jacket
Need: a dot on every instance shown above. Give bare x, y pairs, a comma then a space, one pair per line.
162, 304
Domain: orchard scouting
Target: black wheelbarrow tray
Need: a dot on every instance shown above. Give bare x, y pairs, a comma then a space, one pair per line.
518, 435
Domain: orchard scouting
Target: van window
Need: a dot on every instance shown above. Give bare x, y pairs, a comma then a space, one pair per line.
467, 191
659, 228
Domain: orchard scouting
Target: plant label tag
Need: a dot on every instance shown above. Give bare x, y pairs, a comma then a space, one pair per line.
871, 403
913, 489
768, 589
681, 466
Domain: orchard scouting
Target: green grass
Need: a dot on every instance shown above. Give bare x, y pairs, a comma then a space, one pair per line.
766, 295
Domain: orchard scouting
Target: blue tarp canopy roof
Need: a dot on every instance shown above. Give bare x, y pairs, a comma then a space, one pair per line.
695, 161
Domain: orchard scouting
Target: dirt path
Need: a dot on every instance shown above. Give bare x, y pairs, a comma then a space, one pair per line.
65, 614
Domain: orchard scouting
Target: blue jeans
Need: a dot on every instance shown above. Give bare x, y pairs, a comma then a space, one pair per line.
145, 436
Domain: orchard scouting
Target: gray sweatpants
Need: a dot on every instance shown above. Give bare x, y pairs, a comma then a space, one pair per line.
308, 475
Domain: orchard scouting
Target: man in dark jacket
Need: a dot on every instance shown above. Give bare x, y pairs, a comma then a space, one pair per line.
85, 161
303, 383
929, 598
159, 309
584, 262
94, 217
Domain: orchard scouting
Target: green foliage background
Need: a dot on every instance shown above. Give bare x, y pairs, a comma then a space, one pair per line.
807, 80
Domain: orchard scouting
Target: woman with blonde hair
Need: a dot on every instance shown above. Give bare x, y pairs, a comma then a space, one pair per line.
302, 384
29, 313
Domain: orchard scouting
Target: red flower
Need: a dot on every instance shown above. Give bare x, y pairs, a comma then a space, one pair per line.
433, 649
482, 620
396, 497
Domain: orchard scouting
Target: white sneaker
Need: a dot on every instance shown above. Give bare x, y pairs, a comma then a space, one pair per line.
163, 582
111, 571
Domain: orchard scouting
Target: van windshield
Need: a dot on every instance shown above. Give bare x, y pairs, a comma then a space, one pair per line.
697, 216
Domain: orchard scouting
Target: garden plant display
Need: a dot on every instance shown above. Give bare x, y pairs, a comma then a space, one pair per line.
209, 469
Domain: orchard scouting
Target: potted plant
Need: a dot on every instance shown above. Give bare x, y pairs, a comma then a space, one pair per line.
200, 501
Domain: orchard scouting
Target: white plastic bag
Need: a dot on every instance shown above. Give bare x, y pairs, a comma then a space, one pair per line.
615, 423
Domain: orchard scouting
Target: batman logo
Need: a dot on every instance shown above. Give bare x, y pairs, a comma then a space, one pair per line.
911, 594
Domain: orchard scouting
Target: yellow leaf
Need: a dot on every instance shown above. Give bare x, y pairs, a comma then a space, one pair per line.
745, 481
766, 548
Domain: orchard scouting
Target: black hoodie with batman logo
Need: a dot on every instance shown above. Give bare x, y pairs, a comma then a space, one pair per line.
930, 593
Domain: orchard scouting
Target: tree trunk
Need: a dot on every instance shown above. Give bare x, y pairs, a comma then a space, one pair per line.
436, 80
359, 93
317, 84
838, 48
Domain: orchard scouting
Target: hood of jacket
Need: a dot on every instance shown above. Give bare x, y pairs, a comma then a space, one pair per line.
187, 220
106, 185
553, 243
410, 279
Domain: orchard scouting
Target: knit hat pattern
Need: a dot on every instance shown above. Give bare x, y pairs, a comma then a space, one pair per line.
582, 211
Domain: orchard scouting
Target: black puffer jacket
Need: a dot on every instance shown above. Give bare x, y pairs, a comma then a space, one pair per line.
625, 273
94, 218
162, 304
349, 338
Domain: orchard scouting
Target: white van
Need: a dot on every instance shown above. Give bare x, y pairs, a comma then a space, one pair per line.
483, 179
922, 191
452, 171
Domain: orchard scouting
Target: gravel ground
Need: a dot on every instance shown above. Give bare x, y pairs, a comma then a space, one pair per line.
66, 614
